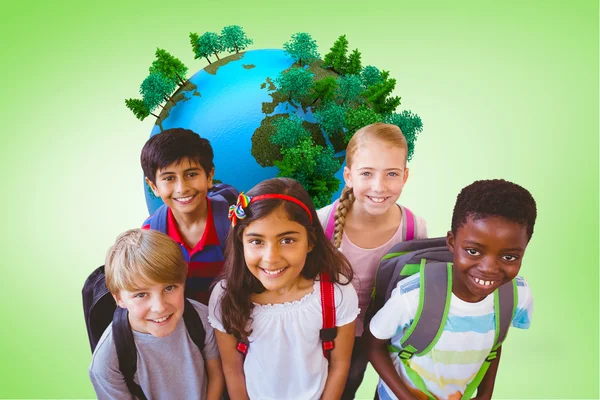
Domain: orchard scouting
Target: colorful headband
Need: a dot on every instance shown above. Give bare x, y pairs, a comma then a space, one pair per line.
237, 212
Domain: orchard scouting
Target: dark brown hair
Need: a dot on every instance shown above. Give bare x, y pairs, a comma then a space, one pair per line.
173, 145
236, 304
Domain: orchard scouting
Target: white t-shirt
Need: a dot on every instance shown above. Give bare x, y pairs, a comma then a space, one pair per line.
364, 262
463, 346
285, 357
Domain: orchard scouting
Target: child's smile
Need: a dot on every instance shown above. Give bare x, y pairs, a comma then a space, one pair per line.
487, 253
275, 251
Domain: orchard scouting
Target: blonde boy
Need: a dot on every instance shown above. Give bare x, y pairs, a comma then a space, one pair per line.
146, 273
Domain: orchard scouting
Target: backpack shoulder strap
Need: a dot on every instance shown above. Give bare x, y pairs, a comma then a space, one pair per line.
158, 221
505, 304
429, 322
126, 351
194, 325
329, 330
434, 300
220, 208
408, 224
330, 226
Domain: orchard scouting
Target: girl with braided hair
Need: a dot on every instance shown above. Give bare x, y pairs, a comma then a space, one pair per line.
366, 221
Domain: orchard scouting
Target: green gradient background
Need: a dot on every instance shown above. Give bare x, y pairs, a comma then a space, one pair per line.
504, 90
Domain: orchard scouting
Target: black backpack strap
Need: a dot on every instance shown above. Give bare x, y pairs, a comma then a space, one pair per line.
126, 352
194, 325
434, 301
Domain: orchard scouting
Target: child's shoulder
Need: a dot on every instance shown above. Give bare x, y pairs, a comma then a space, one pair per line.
105, 353
419, 222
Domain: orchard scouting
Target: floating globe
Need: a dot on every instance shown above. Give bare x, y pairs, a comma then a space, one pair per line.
227, 102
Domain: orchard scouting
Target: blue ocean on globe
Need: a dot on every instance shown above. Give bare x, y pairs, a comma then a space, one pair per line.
226, 108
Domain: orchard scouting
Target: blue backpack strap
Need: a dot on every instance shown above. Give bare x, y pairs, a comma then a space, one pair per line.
158, 221
194, 325
126, 351
220, 208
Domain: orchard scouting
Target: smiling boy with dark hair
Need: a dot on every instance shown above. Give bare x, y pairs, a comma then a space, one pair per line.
492, 224
178, 166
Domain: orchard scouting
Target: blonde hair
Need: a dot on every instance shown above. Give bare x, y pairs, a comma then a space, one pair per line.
388, 133
144, 255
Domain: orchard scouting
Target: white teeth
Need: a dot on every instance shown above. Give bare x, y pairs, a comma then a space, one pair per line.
273, 272
377, 199
161, 319
184, 199
484, 283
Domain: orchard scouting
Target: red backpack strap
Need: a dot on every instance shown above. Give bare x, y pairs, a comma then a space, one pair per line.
242, 348
329, 330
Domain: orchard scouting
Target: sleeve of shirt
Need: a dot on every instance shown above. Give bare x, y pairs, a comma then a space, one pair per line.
214, 307
211, 350
346, 304
146, 224
323, 213
104, 372
399, 311
522, 318
421, 231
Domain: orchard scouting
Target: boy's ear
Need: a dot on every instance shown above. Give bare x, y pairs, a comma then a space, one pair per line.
209, 177
347, 177
118, 300
152, 186
450, 241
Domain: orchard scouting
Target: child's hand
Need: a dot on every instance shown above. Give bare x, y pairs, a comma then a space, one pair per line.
456, 396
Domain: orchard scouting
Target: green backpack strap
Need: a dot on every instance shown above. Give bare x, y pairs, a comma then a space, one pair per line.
505, 304
427, 327
424, 332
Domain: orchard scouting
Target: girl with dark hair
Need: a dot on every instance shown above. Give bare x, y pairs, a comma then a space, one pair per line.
267, 310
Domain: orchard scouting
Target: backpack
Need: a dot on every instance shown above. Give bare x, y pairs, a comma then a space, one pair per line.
408, 223
328, 333
432, 259
98, 303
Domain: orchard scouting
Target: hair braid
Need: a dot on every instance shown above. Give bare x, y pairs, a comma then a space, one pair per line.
344, 204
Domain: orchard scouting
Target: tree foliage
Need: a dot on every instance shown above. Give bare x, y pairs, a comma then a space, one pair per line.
378, 95
138, 108
324, 89
354, 66
356, 118
337, 57
349, 89
233, 38
295, 83
370, 76
210, 43
288, 132
155, 89
169, 66
410, 124
331, 118
302, 48
313, 167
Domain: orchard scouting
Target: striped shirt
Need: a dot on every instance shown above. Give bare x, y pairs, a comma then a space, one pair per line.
463, 346
205, 259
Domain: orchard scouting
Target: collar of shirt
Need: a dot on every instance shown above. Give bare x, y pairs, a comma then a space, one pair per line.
209, 237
